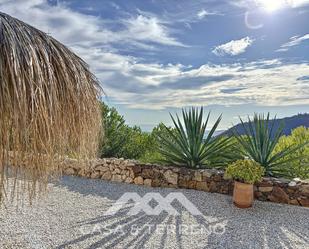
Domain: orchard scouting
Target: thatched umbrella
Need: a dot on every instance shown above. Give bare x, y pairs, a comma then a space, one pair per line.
48, 106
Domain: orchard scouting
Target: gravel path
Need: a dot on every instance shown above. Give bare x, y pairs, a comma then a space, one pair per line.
73, 216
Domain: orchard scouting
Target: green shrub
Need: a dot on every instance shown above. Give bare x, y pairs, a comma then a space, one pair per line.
245, 170
186, 144
300, 166
121, 140
259, 142
152, 154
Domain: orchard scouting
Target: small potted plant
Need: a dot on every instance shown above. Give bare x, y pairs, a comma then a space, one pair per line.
245, 173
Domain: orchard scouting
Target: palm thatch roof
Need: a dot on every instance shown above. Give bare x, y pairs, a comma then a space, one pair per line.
48, 107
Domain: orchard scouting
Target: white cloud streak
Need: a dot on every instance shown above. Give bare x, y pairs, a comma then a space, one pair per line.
234, 47
294, 41
204, 13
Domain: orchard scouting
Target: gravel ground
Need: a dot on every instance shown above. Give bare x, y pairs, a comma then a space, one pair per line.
73, 215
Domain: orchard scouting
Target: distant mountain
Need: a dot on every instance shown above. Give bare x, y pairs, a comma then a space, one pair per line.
290, 123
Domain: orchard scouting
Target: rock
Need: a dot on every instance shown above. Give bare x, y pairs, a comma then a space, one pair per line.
208, 173
171, 177
130, 164
147, 182
122, 166
95, 175
212, 186
217, 178
224, 189
156, 182
176, 170
116, 178
296, 179
257, 194
198, 176
265, 189
281, 181
139, 180
81, 172
202, 186
172, 186
101, 168
304, 189
278, 195
107, 176
182, 183
265, 183
69, 171
290, 190
294, 202
147, 173
128, 180
136, 169
117, 171
292, 184
304, 202
192, 184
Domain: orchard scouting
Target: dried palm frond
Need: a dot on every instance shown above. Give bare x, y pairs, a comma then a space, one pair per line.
48, 107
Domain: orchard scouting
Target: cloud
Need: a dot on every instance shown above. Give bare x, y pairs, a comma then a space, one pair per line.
294, 41
133, 81
72, 27
158, 86
233, 47
144, 28
203, 13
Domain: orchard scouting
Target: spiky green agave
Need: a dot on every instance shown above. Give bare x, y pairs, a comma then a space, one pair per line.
259, 141
187, 146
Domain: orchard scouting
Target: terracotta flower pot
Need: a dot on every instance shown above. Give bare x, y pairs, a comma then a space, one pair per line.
243, 195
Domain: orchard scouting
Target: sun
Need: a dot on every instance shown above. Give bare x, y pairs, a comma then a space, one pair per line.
271, 5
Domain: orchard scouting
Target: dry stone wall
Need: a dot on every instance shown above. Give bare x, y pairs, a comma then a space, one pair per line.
295, 192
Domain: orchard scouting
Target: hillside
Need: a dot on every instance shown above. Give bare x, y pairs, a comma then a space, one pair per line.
290, 123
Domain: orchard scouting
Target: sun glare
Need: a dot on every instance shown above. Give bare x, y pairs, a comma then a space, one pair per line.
271, 5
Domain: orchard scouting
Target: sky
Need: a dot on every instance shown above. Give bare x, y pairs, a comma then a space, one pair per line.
233, 57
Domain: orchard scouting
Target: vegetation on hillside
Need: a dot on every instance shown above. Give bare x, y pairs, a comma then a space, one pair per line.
186, 144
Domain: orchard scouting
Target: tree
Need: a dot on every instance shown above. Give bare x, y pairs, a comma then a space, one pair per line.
121, 140
115, 132
299, 167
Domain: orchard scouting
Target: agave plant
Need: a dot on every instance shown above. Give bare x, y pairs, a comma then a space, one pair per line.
259, 142
186, 145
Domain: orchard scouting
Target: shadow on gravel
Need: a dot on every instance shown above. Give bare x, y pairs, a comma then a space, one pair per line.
277, 226
266, 225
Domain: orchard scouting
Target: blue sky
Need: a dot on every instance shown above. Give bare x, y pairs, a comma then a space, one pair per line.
154, 57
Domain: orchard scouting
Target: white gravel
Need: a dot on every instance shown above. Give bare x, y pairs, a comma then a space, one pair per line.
72, 215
